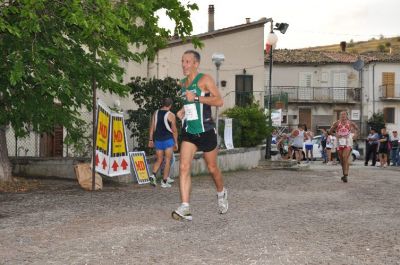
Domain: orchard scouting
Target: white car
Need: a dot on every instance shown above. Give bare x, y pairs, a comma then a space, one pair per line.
317, 149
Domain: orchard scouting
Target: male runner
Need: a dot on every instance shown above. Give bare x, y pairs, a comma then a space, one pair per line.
198, 132
164, 137
346, 132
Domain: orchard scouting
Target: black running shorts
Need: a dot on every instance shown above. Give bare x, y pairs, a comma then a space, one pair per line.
206, 141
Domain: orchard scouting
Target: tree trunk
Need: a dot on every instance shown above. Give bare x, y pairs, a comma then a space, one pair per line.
5, 166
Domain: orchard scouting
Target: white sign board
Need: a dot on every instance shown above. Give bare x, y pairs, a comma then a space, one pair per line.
276, 117
355, 115
228, 134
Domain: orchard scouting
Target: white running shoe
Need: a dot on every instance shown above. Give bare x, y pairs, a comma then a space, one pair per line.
182, 213
153, 181
223, 202
165, 184
170, 180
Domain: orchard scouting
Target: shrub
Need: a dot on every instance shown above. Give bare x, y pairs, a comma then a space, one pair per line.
376, 121
147, 94
250, 125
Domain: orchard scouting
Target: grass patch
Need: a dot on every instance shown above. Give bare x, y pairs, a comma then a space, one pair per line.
18, 185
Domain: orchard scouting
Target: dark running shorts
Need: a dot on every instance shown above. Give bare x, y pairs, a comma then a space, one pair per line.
206, 141
296, 148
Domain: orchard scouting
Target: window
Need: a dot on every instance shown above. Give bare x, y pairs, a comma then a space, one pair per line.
388, 115
244, 90
388, 84
339, 86
305, 84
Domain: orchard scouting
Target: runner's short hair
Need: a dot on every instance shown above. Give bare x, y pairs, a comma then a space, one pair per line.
195, 54
166, 102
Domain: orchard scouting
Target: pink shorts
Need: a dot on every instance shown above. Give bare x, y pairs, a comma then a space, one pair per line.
343, 147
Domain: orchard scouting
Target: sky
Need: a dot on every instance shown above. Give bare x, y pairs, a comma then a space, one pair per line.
311, 22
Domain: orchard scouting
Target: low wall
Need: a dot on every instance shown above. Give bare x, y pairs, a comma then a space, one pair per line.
228, 160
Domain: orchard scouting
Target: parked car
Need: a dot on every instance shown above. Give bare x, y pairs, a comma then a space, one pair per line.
317, 149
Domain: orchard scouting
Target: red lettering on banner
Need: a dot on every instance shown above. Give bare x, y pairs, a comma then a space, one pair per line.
103, 130
115, 165
140, 165
124, 164
97, 159
117, 136
104, 163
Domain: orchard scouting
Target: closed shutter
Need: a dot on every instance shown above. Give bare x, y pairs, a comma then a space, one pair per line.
388, 115
388, 84
305, 86
339, 86
58, 141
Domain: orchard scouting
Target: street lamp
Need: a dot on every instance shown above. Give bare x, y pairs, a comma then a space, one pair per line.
217, 58
272, 39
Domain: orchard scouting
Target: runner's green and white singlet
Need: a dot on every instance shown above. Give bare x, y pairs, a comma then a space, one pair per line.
197, 115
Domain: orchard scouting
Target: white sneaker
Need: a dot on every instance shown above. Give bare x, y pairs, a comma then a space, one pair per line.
223, 202
153, 181
165, 184
170, 180
182, 213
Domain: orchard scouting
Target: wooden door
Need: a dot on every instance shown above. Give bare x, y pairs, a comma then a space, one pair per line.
388, 84
305, 117
51, 144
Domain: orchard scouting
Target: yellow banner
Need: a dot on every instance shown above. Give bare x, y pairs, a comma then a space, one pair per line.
139, 165
103, 125
118, 137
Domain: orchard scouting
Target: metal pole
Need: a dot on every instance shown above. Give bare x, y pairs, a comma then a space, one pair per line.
94, 131
217, 108
269, 136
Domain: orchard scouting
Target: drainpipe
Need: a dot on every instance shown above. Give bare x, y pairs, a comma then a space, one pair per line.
373, 88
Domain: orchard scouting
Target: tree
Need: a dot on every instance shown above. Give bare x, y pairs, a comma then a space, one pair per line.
56, 51
250, 125
376, 121
147, 95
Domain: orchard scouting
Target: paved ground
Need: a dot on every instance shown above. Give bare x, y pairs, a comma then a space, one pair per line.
275, 217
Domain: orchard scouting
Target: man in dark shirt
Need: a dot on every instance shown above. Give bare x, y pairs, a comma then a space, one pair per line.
372, 145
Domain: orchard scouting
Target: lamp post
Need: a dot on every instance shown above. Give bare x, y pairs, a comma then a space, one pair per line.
217, 59
272, 39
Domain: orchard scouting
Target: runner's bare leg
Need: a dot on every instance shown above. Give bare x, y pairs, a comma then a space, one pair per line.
159, 160
346, 164
211, 161
185, 182
167, 167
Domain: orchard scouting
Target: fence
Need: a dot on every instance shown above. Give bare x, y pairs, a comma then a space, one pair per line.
51, 144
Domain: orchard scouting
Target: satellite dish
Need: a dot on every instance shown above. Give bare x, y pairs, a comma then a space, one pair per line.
358, 65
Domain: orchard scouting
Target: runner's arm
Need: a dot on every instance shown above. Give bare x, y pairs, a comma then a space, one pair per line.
208, 84
151, 132
355, 130
333, 128
172, 119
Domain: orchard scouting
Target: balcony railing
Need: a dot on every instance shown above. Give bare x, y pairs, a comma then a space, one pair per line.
390, 92
318, 94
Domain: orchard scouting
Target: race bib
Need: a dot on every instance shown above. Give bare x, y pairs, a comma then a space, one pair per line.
342, 141
191, 112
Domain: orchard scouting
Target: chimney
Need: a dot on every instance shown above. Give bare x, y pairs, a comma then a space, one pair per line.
247, 20
210, 18
343, 45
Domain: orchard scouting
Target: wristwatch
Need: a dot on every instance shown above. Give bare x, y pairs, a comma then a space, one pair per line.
196, 99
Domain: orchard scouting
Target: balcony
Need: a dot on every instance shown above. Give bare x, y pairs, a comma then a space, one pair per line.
389, 92
329, 95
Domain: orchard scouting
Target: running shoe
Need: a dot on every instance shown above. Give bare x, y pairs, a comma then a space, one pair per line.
153, 181
223, 202
165, 184
170, 180
344, 179
182, 213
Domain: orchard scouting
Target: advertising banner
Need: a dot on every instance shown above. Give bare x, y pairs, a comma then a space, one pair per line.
140, 167
102, 138
119, 159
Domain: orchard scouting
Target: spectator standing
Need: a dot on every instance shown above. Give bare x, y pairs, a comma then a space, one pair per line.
383, 147
372, 147
394, 153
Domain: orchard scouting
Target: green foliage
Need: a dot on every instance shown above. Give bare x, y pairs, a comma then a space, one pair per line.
381, 48
376, 121
147, 95
54, 51
388, 44
250, 125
